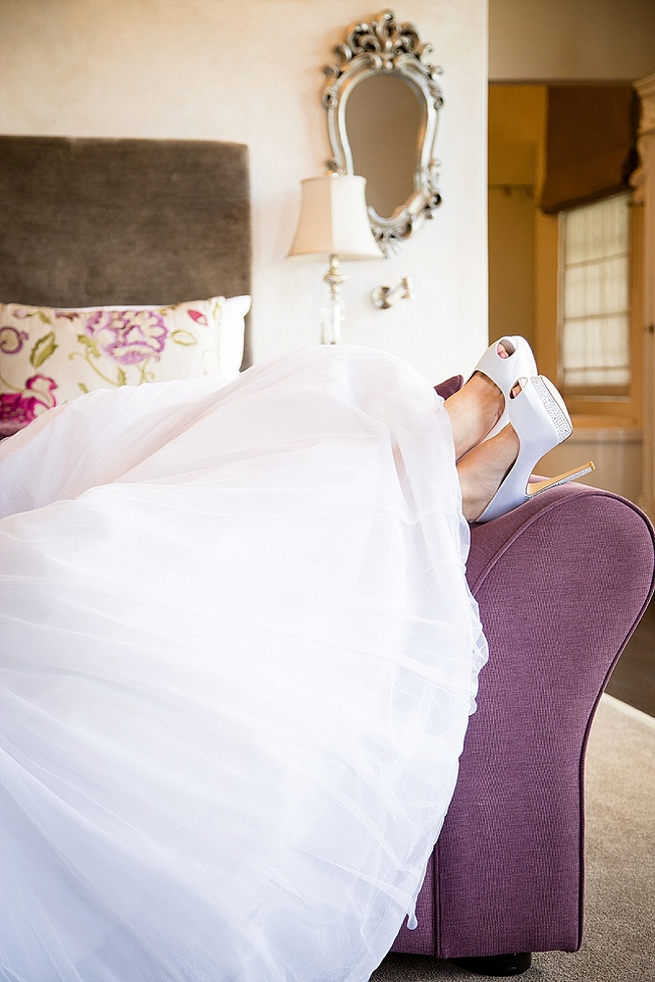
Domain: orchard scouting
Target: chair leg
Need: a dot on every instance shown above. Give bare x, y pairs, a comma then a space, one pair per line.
497, 965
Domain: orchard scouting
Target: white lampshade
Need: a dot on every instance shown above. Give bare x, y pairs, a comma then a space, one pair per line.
333, 219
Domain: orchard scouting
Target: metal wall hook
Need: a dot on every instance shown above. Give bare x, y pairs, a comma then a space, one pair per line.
384, 297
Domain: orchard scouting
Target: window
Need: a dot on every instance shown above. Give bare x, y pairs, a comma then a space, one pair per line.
594, 298
569, 275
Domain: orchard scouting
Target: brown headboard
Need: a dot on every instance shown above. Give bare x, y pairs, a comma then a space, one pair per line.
111, 221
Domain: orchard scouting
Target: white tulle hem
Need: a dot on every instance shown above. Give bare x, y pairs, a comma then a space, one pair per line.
237, 657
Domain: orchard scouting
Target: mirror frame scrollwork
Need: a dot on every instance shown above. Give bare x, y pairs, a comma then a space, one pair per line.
384, 46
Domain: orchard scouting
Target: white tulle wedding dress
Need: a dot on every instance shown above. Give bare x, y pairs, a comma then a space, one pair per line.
237, 659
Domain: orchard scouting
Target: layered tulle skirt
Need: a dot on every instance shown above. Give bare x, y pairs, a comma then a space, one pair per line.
237, 659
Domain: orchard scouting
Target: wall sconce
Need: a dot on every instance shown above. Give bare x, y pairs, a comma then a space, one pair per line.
384, 297
333, 225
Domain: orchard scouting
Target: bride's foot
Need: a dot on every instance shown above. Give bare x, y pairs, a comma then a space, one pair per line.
504, 362
482, 470
478, 406
480, 410
495, 475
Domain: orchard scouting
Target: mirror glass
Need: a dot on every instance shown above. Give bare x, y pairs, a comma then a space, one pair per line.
382, 100
385, 121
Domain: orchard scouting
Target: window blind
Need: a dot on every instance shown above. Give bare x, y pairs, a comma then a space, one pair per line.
591, 139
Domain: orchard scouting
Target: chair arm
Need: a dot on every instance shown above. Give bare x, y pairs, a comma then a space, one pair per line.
561, 583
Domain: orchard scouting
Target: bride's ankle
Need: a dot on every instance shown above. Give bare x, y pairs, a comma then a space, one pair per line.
482, 470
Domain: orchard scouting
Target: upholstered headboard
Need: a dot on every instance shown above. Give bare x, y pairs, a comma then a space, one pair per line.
111, 221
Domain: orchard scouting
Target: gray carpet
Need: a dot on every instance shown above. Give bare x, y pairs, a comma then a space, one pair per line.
619, 934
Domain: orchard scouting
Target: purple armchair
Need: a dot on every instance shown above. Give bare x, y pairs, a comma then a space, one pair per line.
561, 582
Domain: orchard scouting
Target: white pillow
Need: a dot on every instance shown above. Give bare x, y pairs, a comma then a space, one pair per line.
50, 355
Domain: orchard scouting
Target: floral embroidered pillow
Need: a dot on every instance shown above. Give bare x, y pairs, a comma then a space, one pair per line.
50, 355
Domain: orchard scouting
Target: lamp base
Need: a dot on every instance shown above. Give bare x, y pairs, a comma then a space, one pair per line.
333, 309
331, 321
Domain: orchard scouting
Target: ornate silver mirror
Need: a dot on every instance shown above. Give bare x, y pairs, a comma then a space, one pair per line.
382, 99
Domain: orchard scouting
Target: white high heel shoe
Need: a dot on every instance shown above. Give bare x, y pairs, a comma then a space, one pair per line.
541, 421
504, 372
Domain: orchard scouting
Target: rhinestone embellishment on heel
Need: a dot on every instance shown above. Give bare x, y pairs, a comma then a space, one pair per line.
561, 422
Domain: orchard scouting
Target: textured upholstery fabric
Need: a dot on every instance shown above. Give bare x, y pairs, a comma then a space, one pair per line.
561, 583
451, 385
89, 222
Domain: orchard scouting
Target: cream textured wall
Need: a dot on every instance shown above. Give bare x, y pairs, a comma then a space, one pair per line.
555, 40
250, 71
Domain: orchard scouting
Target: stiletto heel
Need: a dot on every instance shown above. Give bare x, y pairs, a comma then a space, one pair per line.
536, 487
541, 421
504, 372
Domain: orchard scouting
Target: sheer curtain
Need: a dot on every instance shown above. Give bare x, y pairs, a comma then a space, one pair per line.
594, 314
